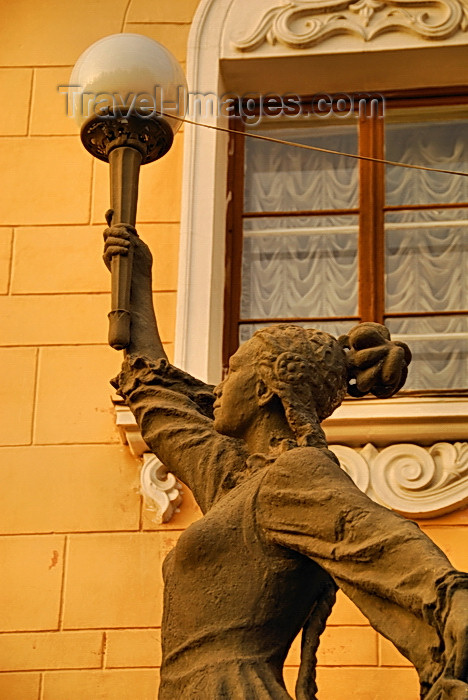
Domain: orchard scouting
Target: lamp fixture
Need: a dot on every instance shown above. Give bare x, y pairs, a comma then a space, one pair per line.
121, 86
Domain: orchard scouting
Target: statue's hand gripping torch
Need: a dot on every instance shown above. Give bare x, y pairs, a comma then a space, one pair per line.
126, 143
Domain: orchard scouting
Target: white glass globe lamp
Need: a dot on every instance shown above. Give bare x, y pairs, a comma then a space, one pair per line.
128, 76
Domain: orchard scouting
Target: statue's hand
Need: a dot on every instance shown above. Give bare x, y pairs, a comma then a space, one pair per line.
376, 364
119, 239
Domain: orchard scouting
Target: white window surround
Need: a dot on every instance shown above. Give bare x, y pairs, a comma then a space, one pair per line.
340, 63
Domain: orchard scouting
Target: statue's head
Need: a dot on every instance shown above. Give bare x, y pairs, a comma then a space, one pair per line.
296, 372
303, 367
307, 370
305, 373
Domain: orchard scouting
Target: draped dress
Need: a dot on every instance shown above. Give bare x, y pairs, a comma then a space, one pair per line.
278, 535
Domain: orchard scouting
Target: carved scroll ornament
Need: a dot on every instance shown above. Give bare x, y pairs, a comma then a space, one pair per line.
161, 491
413, 480
299, 24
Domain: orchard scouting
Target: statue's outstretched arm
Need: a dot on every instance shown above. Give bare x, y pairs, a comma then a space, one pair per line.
173, 409
144, 334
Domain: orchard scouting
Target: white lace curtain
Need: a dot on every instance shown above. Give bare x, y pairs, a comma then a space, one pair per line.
306, 271
285, 178
300, 266
307, 266
427, 250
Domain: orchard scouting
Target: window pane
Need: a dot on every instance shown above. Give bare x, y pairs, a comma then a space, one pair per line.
299, 267
439, 141
335, 328
426, 265
287, 178
440, 350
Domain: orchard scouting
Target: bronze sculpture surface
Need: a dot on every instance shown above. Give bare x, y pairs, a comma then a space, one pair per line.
283, 525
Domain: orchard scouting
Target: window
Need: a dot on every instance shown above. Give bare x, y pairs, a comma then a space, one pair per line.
326, 241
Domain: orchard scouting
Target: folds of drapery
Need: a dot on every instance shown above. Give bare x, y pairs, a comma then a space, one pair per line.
427, 250
300, 271
285, 178
307, 266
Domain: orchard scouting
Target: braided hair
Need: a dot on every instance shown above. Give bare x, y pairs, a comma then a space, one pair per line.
311, 372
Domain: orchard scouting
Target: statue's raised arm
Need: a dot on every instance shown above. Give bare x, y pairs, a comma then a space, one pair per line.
173, 409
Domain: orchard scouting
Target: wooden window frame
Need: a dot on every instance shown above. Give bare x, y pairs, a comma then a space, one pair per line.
371, 211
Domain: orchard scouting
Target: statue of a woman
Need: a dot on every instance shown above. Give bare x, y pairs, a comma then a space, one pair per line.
283, 525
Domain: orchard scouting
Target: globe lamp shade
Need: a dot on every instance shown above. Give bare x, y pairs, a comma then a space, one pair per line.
130, 74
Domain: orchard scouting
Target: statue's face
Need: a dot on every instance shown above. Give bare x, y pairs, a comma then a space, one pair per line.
236, 405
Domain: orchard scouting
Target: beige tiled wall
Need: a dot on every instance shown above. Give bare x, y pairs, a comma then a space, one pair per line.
80, 597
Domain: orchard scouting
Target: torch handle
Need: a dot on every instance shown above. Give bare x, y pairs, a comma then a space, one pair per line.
124, 164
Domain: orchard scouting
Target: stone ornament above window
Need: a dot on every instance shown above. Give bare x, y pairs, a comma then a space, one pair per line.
300, 24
